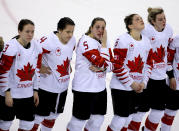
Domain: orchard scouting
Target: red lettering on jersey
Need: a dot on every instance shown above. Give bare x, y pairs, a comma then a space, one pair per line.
25, 85
43, 39
85, 44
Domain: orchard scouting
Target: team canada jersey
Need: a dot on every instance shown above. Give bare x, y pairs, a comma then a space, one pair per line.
57, 56
132, 62
159, 42
19, 68
173, 57
90, 52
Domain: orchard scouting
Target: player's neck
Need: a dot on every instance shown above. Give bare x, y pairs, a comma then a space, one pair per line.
60, 39
136, 35
22, 42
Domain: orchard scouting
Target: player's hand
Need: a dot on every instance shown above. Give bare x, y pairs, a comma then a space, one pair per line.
36, 98
45, 70
8, 99
104, 39
173, 84
136, 87
96, 69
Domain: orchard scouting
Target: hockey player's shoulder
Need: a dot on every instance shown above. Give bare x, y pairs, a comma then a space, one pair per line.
175, 41
85, 39
11, 47
72, 40
168, 28
122, 40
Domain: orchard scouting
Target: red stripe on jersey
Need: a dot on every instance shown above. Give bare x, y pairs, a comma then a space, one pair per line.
171, 54
3, 81
110, 54
118, 70
94, 57
45, 51
1, 77
5, 63
150, 59
105, 54
119, 75
39, 61
2, 86
123, 78
125, 82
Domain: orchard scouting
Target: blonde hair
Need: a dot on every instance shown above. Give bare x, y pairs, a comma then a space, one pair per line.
152, 13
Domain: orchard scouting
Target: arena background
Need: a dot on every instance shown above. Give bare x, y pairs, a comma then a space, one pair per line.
46, 13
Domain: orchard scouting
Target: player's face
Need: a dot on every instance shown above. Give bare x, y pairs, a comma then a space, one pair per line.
66, 34
27, 33
137, 23
160, 22
98, 29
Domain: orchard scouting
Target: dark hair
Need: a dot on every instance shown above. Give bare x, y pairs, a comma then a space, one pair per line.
21, 25
153, 12
63, 22
128, 21
93, 22
1, 44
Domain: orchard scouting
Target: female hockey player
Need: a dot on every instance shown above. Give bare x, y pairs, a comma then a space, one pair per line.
159, 34
57, 53
132, 68
89, 87
19, 78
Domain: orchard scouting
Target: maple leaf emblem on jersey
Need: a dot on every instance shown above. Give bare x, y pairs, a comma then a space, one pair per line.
64, 68
26, 74
136, 65
159, 55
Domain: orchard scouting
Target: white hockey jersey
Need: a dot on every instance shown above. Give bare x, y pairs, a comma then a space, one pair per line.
57, 56
174, 57
19, 68
132, 62
159, 42
90, 52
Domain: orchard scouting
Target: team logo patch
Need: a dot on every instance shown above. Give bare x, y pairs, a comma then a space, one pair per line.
58, 51
152, 39
131, 46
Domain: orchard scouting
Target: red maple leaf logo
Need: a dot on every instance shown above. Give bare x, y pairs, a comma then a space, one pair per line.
136, 65
159, 55
26, 74
64, 68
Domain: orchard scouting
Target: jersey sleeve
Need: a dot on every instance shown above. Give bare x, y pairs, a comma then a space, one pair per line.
6, 61
37, 71
44, 42
91, 52
120, 55
149, 64
108, 56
